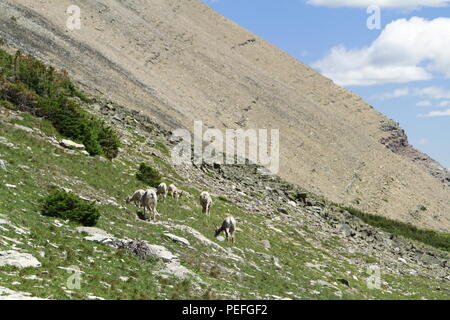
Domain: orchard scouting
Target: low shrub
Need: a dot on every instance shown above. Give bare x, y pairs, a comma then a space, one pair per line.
430, 237
40, 90
68, 206
148, 175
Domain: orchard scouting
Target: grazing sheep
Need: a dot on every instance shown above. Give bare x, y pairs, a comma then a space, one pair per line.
162, 191
178, 193
149, 201
229, 226
136, 197
206, 202
172, 189
175, 193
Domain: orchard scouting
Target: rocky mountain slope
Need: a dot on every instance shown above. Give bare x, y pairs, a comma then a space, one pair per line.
178, 61
290, 244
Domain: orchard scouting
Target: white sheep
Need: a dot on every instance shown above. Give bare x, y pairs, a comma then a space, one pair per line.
136, 197
149, 201
229, 227
206, 202
172, 189
174, 192
162, 191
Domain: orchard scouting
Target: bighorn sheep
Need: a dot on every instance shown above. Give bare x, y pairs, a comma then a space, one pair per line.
229, 226
162, 191
136, 197
206, 202
174, 192
149, 201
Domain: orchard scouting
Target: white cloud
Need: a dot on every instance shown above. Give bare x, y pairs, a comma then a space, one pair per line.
445, 113
424, 103
444, 103
397, 93
406, 50
433, 92
430, 93
380, 3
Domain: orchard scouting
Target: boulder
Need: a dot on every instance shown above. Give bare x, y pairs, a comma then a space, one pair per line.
177, 239
8, 294
95, 234
69, 144
175, 269
144, 250
18, 259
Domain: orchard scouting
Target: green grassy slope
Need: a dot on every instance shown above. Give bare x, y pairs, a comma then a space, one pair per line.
34, 166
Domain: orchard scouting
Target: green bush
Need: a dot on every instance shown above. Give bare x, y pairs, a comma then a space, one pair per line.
66, 205
430, 237
42, 91
148, 175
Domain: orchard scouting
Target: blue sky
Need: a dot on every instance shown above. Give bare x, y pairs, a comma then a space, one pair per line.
402, 69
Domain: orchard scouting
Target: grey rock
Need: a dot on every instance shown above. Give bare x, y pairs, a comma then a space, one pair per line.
199, 236
69, 144
18, 259
177, 239
346, 230
95, 234
8, 294
176, 270
26, 129
292, 203
271, 259
265, 244
430, 260
5, 142
143, 249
